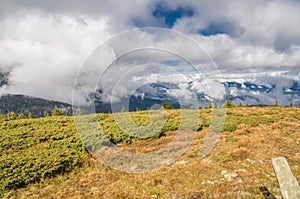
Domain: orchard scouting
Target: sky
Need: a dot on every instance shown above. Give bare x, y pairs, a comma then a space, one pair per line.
44, 44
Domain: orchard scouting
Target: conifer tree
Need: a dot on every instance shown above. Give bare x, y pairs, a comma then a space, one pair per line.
167, 105
216, 105
21, 116
56, 111
79, 111
229, 104
123, 109
11, 115
209, 106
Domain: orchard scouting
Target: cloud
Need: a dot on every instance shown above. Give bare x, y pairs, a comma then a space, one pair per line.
267, 22
43, 44
44, 52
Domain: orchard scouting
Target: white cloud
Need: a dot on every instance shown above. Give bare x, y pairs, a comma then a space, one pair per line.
44, 52
43, 43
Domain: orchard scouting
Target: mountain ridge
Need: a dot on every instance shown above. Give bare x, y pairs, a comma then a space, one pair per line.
22, 104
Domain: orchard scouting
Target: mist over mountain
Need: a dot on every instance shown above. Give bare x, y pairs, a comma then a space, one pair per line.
261, 90
3, 78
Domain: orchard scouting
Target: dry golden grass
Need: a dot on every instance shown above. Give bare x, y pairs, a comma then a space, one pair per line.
240, 153
247, 152
243, 129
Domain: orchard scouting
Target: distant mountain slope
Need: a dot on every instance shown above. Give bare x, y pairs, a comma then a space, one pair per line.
37, 106
135, 103
259, 91
3, 78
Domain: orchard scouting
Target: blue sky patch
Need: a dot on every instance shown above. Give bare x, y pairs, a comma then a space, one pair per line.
171, 62
170, 16
215, 28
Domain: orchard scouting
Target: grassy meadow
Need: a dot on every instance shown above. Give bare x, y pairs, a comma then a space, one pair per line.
45, 158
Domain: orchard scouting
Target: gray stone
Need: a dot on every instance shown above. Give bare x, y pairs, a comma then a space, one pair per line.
229, 176
275, 190
243, 194
288, 184
238, 180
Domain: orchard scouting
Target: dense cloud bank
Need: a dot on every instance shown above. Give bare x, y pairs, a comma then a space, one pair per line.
44, 43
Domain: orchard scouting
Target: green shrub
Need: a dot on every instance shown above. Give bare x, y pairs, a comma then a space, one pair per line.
11, 116
34, 149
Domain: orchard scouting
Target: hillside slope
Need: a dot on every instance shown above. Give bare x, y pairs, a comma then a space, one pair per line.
36, 106
46, 156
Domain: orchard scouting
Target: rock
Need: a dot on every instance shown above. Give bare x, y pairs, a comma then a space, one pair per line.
288, 184
267, 194
182, 162
238, 180
251, 161
275, 190
229, 176
241, 170
224, 172
242, 194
